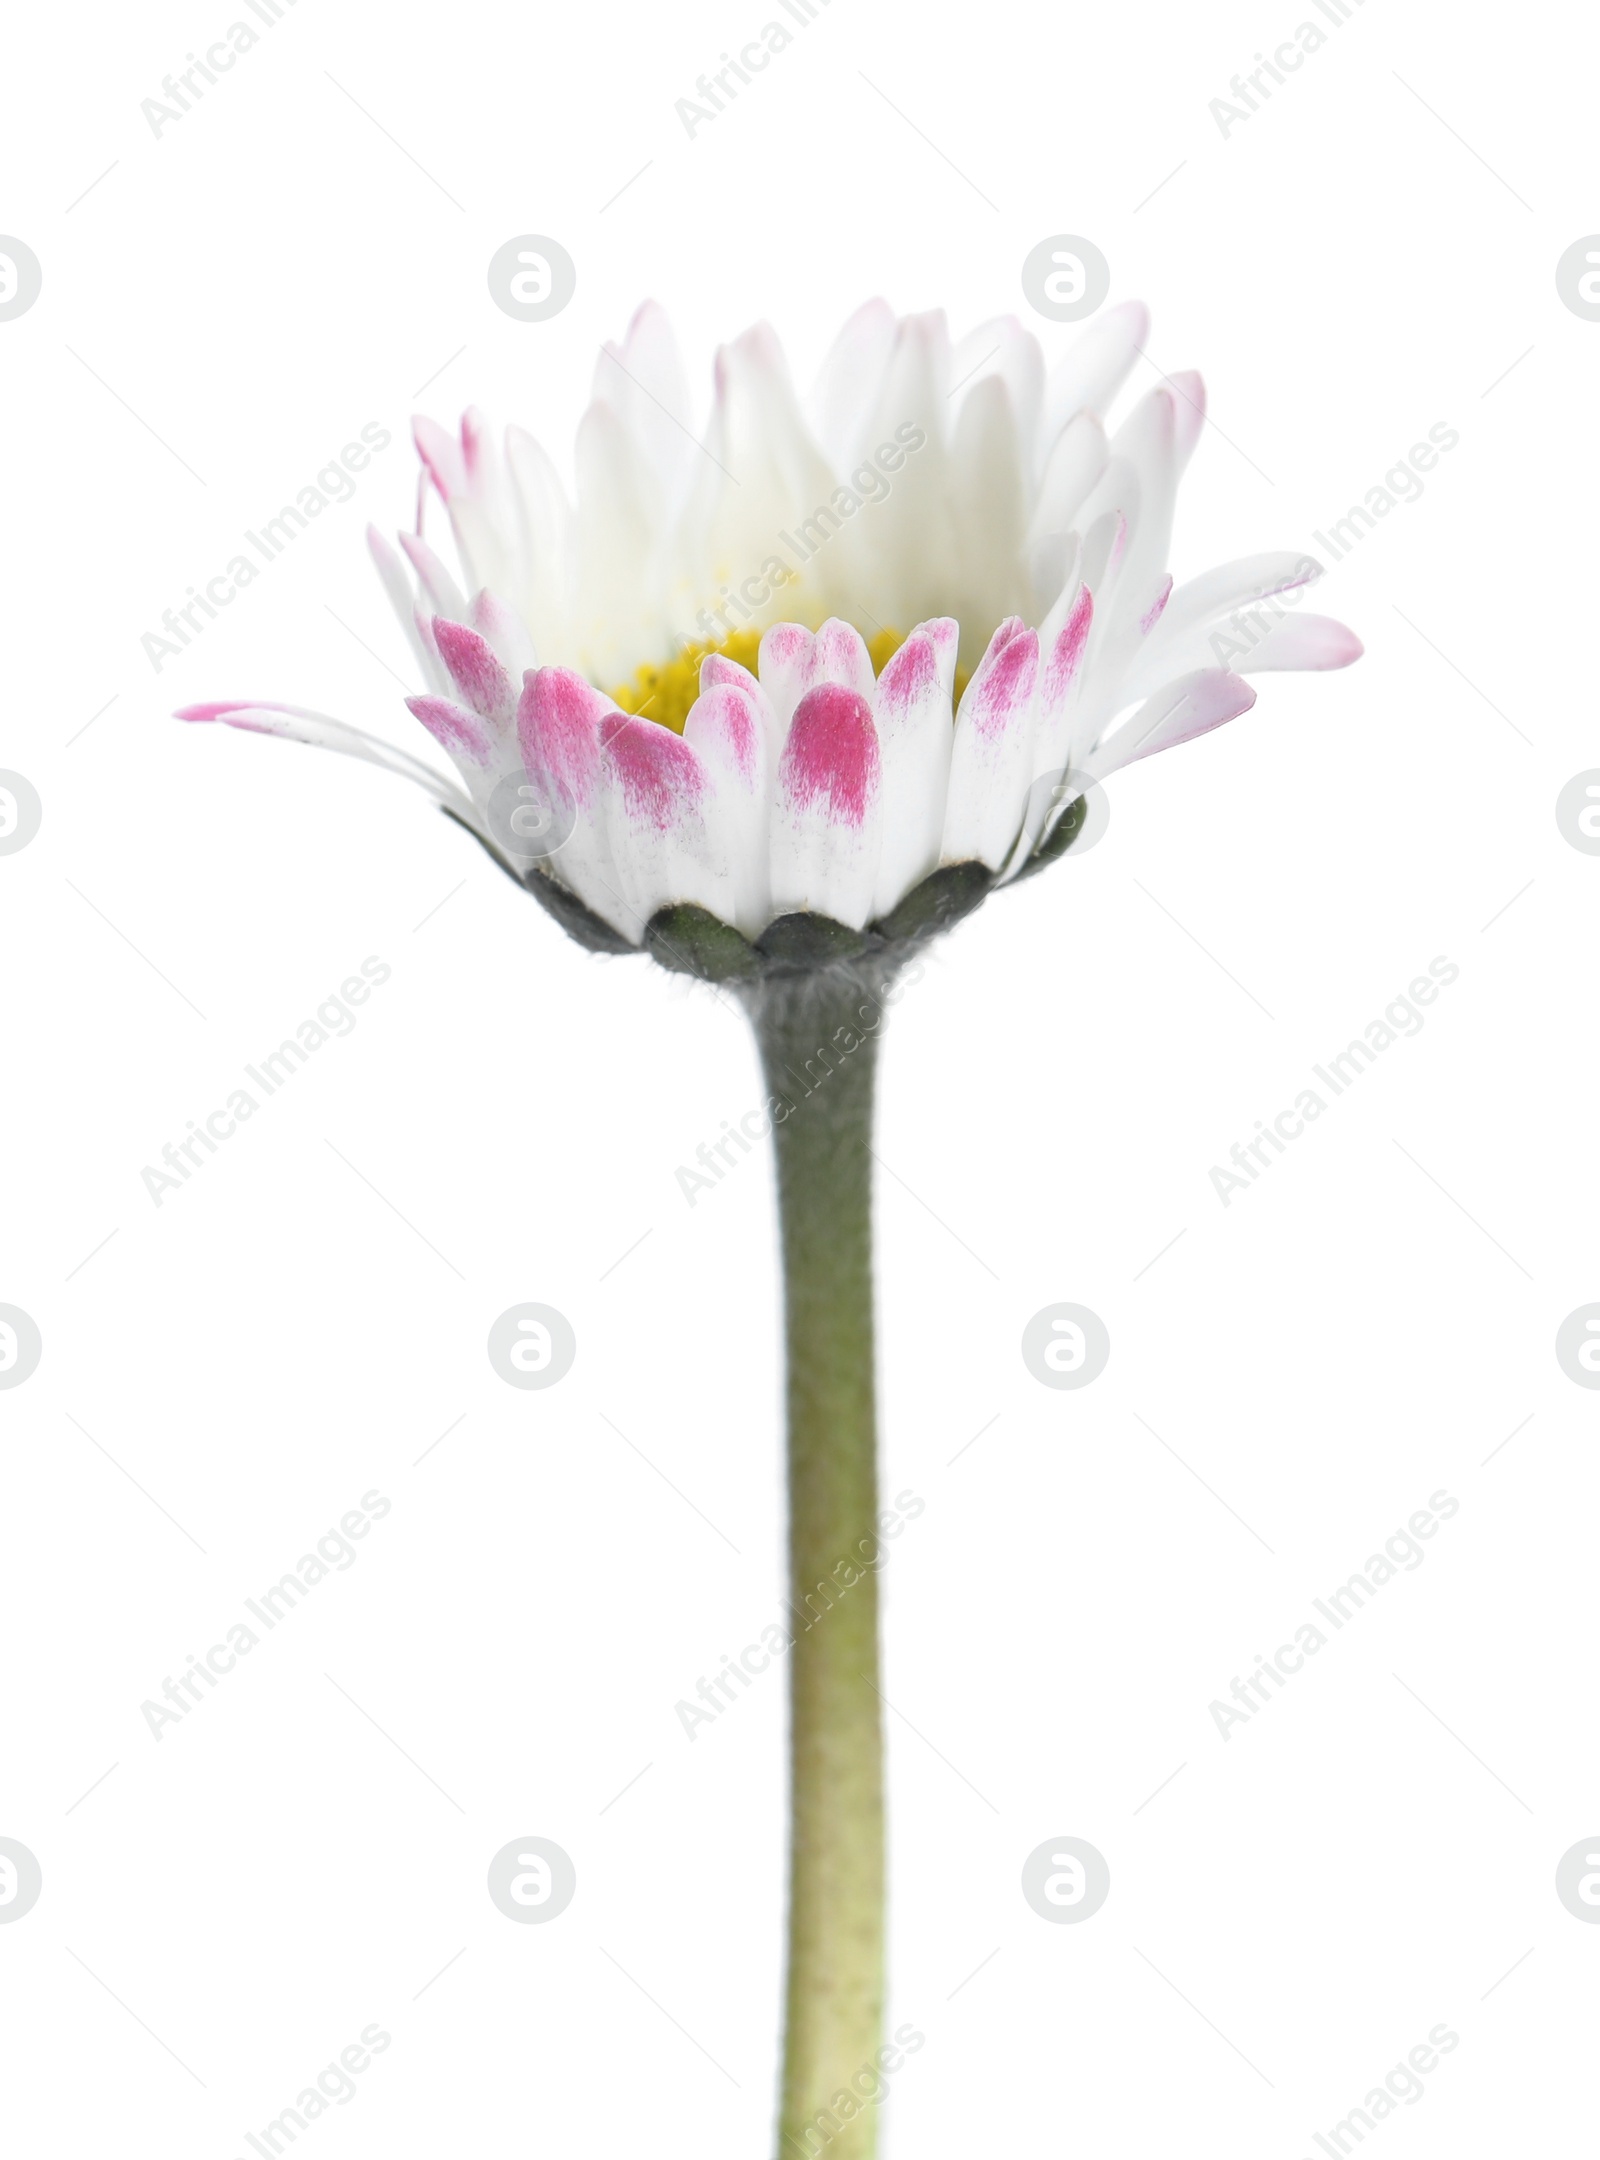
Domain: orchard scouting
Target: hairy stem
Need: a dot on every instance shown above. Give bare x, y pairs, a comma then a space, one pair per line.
818, 1039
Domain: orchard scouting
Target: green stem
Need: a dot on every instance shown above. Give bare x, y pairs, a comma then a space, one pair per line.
818, 1039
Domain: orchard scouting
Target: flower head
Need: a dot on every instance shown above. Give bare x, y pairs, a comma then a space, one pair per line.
815, 679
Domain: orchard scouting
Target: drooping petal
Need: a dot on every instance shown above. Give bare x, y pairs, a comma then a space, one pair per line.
1312, 642
828, 814
294, 723
1177, 714
1216, 619
1234, 584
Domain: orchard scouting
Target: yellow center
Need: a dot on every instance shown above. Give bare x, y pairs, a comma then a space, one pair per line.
666, 692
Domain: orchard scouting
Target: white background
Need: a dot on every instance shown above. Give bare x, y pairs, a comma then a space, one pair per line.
1302, 1902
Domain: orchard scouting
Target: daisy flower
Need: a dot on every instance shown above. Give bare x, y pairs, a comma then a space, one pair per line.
855, 660
774, 700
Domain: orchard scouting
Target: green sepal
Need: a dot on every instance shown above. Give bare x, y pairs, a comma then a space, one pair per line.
940, 900
692, 941
805, 940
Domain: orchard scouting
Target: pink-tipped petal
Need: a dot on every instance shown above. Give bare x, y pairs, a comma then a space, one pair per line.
1312, 642
1221, 619
1065, 645
786, 667
731, 730
1189, 399
476, 672
657, 774
991, 756
1064, 657
826, 826
1153, 613
441, 456
667, 844
725, 723
441, 588
507, 634
840, 656
560, 717
913, 711
455, 729
1177, 714
1002, 684
561, 720
831, 756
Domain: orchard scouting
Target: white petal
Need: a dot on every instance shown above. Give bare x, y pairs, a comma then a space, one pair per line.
645, 385
906, 575
989, 500
846, 392
758, 477
1214, 619
1002, 351
444, 595
543, 589
1189, 399
1075, 464
1094, 368
403, 599
619, 532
